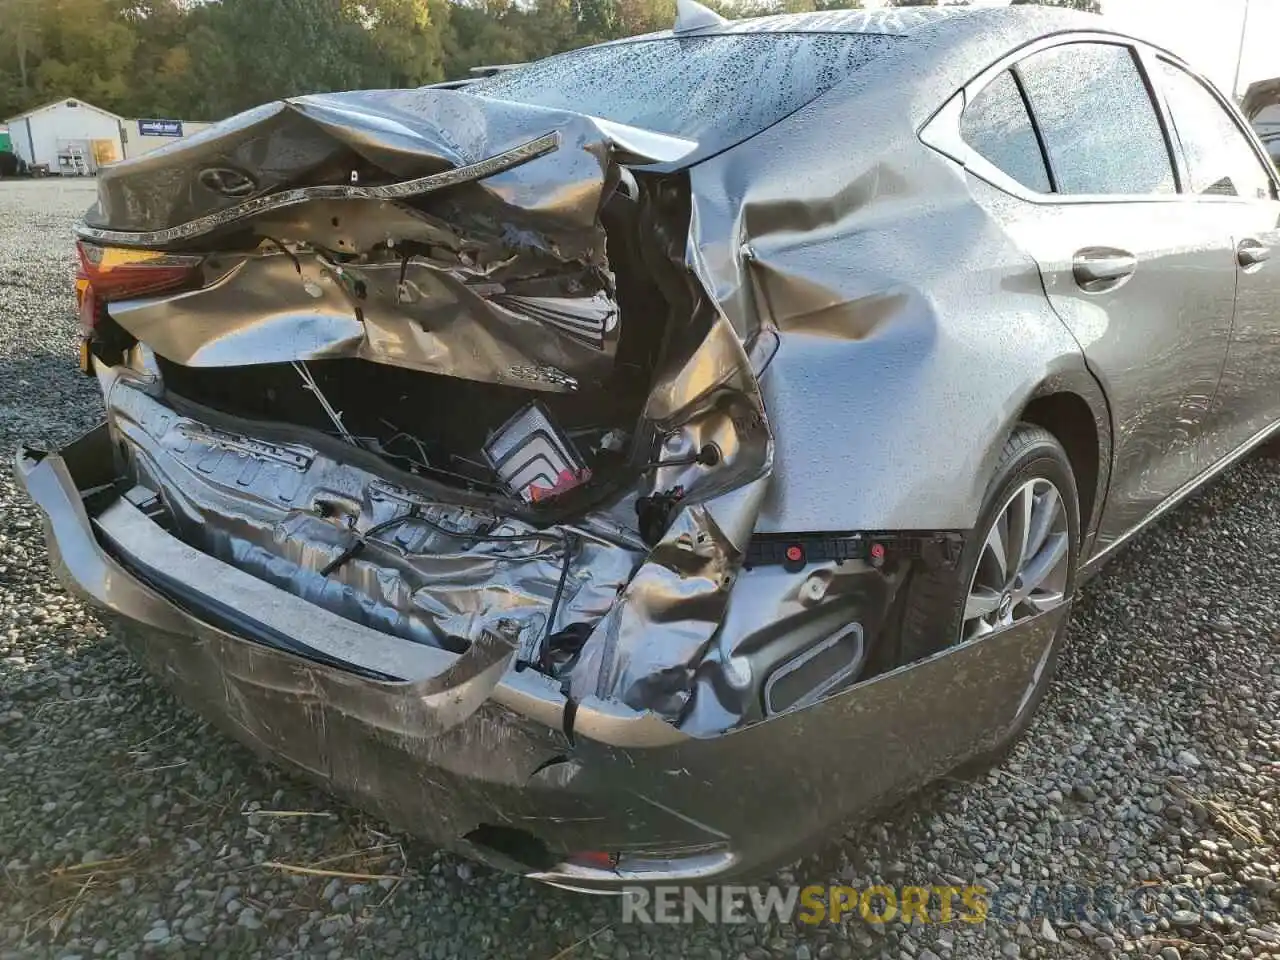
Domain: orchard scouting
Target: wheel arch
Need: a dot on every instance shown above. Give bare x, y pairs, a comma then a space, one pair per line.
1072, 406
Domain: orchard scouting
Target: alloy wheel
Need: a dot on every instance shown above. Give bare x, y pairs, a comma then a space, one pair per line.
1024, 567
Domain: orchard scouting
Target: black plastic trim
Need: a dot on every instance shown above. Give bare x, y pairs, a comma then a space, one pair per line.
793, 551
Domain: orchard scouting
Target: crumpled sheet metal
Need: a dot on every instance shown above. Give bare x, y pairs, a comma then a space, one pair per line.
706, 394
865, 264
275, 307
645, 651
776, 615
800, 258
891, 735
506, 762
319, 139
504, 279
255, 505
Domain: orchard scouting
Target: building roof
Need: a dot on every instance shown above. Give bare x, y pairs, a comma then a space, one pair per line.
52, 104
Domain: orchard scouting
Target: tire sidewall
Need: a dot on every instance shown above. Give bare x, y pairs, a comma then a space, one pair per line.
1043, 458
933, 607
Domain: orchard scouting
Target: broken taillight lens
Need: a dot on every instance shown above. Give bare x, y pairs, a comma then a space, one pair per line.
118, 273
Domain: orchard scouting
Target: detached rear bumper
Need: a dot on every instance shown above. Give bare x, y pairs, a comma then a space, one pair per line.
466, 751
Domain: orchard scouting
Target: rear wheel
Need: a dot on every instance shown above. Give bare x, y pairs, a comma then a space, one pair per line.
1024, 566
1020, 561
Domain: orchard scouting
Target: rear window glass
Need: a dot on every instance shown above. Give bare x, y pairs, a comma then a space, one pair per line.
998, 126
717, 90
1099, 125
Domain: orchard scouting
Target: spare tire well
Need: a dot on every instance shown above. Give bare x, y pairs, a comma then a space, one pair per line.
1068, 417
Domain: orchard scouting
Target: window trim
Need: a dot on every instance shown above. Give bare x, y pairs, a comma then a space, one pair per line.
1181, 173
977, 159
941, 132
1156, 57
1050, 172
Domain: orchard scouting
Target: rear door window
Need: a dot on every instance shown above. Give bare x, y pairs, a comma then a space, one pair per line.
1220, 160
1100, 127
996, 124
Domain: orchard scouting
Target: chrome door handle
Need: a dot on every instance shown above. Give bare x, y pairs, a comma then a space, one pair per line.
1100, 268
1250, 253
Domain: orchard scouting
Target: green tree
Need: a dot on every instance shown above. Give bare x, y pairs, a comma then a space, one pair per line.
87, 52
315, 46
206, 59
645, 16
497, 32
408, 35
20, 36
160, 74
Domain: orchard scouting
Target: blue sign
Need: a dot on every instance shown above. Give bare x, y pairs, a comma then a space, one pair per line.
160, 128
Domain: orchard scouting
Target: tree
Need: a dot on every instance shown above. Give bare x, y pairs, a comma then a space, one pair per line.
207, 59
498, 32
408, 35
20, 34
315, 47
87, 51
161, 69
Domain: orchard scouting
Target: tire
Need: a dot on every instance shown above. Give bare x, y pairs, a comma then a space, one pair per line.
934, 608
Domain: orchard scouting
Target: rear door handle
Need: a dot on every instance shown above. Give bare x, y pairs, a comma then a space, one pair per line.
1250, 253
1102, 268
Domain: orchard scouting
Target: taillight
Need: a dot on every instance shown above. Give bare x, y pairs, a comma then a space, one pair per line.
118, 273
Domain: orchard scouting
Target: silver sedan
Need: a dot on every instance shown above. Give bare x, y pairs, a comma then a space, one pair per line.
629, 466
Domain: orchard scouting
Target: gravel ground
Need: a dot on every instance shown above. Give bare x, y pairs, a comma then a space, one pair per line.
128, 828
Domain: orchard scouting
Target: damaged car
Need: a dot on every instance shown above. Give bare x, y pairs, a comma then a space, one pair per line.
630, 466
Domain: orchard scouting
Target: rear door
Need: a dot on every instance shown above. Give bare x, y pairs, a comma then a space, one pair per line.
1145, 282
1231, 181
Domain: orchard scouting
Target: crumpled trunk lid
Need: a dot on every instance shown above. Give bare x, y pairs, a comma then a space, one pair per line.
359, 145
428, 229
435, 280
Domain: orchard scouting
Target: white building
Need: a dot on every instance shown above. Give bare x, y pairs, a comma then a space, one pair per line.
67, 136
74, 137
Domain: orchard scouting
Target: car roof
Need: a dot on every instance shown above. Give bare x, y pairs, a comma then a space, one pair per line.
942, 47
883, 22
901, 22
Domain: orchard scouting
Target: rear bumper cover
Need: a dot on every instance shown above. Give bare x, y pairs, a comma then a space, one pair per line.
464, 749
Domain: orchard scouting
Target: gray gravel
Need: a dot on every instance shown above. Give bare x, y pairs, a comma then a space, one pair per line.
128, 828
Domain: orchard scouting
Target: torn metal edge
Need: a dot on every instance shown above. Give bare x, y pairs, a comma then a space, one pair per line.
516, 156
